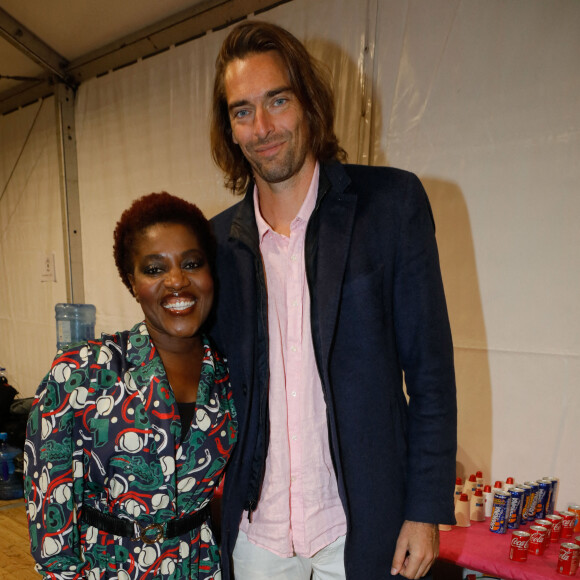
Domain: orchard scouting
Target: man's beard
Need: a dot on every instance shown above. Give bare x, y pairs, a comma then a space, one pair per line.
277, 170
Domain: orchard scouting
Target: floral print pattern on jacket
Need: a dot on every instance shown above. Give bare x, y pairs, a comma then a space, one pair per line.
104, 430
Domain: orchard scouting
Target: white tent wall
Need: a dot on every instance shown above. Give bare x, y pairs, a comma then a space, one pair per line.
480, 99
486, 109
146, 128
30, 232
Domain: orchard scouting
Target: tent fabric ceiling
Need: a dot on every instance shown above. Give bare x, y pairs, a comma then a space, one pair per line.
90, 38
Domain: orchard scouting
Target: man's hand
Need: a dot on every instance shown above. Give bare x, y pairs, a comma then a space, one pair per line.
416, 550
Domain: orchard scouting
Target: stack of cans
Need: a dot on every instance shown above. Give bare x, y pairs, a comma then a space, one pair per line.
522, 504
534, 502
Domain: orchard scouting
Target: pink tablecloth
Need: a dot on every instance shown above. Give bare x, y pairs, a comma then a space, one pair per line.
479, 549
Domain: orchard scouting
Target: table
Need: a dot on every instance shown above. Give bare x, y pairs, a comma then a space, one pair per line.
479, 549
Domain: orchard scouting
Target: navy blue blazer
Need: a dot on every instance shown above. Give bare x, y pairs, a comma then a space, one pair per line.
379, 321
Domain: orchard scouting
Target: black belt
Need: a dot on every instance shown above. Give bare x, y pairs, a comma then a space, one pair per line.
147, 534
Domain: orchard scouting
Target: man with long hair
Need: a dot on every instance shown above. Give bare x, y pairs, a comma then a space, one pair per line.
329, 292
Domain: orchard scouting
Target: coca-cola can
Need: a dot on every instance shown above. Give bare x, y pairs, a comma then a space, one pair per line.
568, 519
568, 559
548, 525
556, 526
519, 546
538, 536
576, 510
577, 540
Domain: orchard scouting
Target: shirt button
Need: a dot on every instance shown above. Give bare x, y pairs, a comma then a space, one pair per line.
294, 437
294, 257
293, 348
293, 393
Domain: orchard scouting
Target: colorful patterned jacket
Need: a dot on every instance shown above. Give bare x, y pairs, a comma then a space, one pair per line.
104, 431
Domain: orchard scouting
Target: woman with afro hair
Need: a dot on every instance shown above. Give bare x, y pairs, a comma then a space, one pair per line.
129, 435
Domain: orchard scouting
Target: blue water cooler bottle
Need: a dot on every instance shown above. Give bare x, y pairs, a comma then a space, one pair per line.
11, 479
74, 323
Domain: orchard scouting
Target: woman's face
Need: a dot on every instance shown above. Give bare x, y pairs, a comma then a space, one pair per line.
172, 281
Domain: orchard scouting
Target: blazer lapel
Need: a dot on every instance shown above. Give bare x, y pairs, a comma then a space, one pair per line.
328, 242
148, 377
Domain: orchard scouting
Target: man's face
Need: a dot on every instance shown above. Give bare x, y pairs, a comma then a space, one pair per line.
267, 119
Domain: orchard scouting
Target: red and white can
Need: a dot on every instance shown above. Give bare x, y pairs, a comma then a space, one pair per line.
548, 525
568, 520
577, 540
568, 559
538, 536
556, 526
519, 546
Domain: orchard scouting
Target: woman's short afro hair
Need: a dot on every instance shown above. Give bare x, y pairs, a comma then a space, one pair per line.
152, 209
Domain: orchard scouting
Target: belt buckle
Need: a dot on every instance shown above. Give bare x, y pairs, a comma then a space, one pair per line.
146, 539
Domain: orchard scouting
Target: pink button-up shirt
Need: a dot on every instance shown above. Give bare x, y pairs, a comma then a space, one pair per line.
299, 511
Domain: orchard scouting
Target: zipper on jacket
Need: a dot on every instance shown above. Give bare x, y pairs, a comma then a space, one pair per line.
247, 237
251, 508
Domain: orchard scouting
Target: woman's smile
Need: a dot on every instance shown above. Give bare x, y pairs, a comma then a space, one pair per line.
179, 304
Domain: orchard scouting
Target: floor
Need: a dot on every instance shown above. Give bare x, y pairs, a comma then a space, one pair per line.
16, 563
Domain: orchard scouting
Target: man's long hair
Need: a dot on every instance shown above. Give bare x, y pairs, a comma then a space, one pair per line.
308, 80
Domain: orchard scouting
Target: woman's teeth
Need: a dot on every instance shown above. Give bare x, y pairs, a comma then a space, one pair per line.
179, 305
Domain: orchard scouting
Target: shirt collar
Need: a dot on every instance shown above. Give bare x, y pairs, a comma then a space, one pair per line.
304, 212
